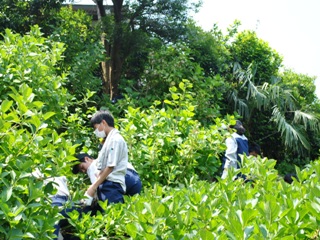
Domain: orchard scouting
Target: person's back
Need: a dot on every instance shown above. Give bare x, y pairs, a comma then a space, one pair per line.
59, 199
237, 145
133, 182
132, 178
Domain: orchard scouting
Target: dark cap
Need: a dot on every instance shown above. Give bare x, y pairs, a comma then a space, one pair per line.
81, 156
239, 127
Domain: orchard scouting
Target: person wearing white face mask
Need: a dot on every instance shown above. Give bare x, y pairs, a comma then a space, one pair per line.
112, 160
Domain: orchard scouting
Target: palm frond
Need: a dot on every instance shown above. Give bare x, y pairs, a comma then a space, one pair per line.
272, 96
259, 96
236, 67
275, 80
240, 105
289, 100
280, 97
308, 120
247, 75
292, 136
243, 76
243, 109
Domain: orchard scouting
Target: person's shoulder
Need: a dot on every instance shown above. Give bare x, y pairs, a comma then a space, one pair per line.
118, 139
244, 137
117, 136
236, 135
231, 139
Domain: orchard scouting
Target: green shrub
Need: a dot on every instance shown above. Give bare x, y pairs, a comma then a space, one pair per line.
167, 144
266, 208
32, 105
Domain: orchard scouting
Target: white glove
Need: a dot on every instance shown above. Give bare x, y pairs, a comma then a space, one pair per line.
87, 200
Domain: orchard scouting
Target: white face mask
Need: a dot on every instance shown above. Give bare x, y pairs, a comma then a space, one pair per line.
99, 134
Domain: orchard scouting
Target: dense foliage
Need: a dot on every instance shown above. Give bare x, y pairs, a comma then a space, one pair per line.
20, 16
266, 208
179, 89
83, 51
33, 101
168, 144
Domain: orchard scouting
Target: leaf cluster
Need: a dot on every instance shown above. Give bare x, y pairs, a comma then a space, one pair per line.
167, 144
36, 134
265, 208
20, 16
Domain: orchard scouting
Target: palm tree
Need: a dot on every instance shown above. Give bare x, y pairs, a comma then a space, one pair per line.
270, 97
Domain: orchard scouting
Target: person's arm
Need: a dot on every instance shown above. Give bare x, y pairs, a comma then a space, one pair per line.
231, 151
100, 179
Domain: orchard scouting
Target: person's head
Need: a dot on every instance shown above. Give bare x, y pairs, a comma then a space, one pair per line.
103, 122
83, 163
288, 178
239, 127
254, 149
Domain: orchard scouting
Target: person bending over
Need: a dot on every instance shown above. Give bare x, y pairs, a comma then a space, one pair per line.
86, 164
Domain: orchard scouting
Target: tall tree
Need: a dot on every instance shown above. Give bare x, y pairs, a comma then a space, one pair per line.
208, 48
161, 19
303, 87
247, 49
83, 52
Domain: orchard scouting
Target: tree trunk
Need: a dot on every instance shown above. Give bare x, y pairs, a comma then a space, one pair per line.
112, 67
105, 65
116, 59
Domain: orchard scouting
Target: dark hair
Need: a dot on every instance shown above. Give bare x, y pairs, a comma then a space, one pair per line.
81, 158
289, 177
255, 148
102, 115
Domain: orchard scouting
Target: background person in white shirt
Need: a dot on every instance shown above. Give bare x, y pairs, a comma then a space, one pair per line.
237, 145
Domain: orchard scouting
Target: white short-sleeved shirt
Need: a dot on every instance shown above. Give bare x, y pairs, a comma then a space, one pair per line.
59, 183
116, 156
231, 153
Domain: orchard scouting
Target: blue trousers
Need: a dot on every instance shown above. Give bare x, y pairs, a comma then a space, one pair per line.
110, 191
133, 183
60, 201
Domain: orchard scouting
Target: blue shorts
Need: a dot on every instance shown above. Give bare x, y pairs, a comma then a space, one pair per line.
59, 200
111, 191
133, 183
